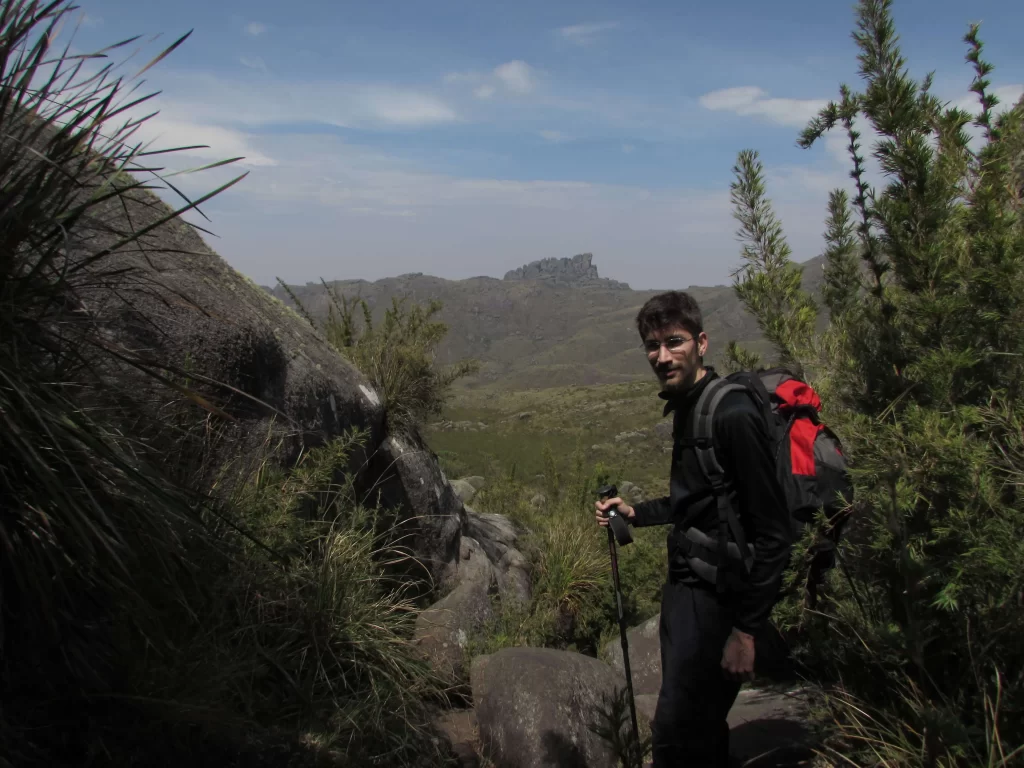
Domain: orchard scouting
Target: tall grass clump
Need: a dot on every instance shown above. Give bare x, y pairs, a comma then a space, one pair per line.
573, 603
920, 369
143, 619
399, 356
91, 529
317, 609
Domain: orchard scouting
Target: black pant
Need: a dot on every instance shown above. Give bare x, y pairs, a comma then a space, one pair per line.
690, 727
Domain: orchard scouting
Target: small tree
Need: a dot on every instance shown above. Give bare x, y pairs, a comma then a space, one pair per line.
399, 356
920, 370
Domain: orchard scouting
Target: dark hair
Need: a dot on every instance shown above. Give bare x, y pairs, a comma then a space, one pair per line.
668, 309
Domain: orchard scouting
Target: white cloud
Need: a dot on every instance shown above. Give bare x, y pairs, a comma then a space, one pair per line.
397, 107
517, 76
586, 34
210, 99
553, 136
793, 181
453, 78
253, 62
512, 76
255, 28
753, 101
169, 130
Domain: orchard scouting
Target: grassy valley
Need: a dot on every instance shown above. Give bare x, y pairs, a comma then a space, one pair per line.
614, 424
547, 330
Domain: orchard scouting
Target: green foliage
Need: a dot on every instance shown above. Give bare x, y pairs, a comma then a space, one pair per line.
314, 603
398, 357
769, 284
144, 621
920, 371
573, 604
93, 525
739, 359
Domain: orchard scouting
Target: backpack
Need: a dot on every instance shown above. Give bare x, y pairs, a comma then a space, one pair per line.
809, 463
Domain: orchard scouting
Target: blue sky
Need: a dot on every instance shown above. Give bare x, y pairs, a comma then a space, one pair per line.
465, 138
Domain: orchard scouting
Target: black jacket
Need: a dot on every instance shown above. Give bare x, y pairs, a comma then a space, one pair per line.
743, 448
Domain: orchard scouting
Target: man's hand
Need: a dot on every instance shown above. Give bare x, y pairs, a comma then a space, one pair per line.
738, 656
603, 506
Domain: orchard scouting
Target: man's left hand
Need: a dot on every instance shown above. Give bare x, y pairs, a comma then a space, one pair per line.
738, 656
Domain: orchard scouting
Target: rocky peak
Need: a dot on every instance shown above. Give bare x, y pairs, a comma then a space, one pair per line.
576, 270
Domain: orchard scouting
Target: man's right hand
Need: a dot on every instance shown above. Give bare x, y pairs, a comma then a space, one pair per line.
603, 506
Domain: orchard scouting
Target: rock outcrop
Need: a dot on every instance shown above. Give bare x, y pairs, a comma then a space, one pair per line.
282, 387
575, 270
489, 569
443, 630
534, 708
498, 537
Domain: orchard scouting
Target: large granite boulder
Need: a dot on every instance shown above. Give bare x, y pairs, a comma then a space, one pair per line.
644, 661
535, 706
280, 388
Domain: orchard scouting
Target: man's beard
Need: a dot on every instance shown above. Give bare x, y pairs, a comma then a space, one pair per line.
678, 383
687, 375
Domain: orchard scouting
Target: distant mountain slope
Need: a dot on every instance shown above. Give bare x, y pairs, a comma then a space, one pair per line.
554, 322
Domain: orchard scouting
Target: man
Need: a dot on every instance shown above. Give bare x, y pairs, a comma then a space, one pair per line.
707, 637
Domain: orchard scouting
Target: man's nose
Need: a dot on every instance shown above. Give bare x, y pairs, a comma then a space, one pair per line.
664, 356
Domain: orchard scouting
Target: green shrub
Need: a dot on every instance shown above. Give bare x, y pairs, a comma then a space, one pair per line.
398, 357
573, 604
319, 610
920, 371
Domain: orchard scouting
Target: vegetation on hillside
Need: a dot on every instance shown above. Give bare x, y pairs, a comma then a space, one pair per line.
920, 371
143, 619
573, 602
398, 357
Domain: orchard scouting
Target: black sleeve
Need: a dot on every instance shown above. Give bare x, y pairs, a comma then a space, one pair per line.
745, 454
652, 512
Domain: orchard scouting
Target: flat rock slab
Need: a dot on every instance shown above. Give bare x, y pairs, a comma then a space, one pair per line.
534, 706
769, 729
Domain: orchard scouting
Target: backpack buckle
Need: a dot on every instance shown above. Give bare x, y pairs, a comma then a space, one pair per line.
703, 443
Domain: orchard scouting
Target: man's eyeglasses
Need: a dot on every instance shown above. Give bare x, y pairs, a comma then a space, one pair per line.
672, 343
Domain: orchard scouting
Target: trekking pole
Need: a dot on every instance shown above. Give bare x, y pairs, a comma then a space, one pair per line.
618, 529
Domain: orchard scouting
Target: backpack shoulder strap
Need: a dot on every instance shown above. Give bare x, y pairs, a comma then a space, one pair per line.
702, 439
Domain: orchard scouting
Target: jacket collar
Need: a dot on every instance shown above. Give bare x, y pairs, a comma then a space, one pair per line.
685, 400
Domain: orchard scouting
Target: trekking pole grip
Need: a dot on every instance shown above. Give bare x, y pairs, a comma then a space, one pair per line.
616, 522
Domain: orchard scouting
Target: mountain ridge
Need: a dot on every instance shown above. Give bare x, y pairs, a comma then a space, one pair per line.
551, 322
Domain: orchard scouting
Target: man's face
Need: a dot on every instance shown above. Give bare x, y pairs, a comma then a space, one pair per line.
674, 355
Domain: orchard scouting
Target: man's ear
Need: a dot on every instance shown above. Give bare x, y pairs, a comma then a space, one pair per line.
702, 344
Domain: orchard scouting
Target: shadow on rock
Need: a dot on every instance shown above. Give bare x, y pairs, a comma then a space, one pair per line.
558, 750
755, 743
